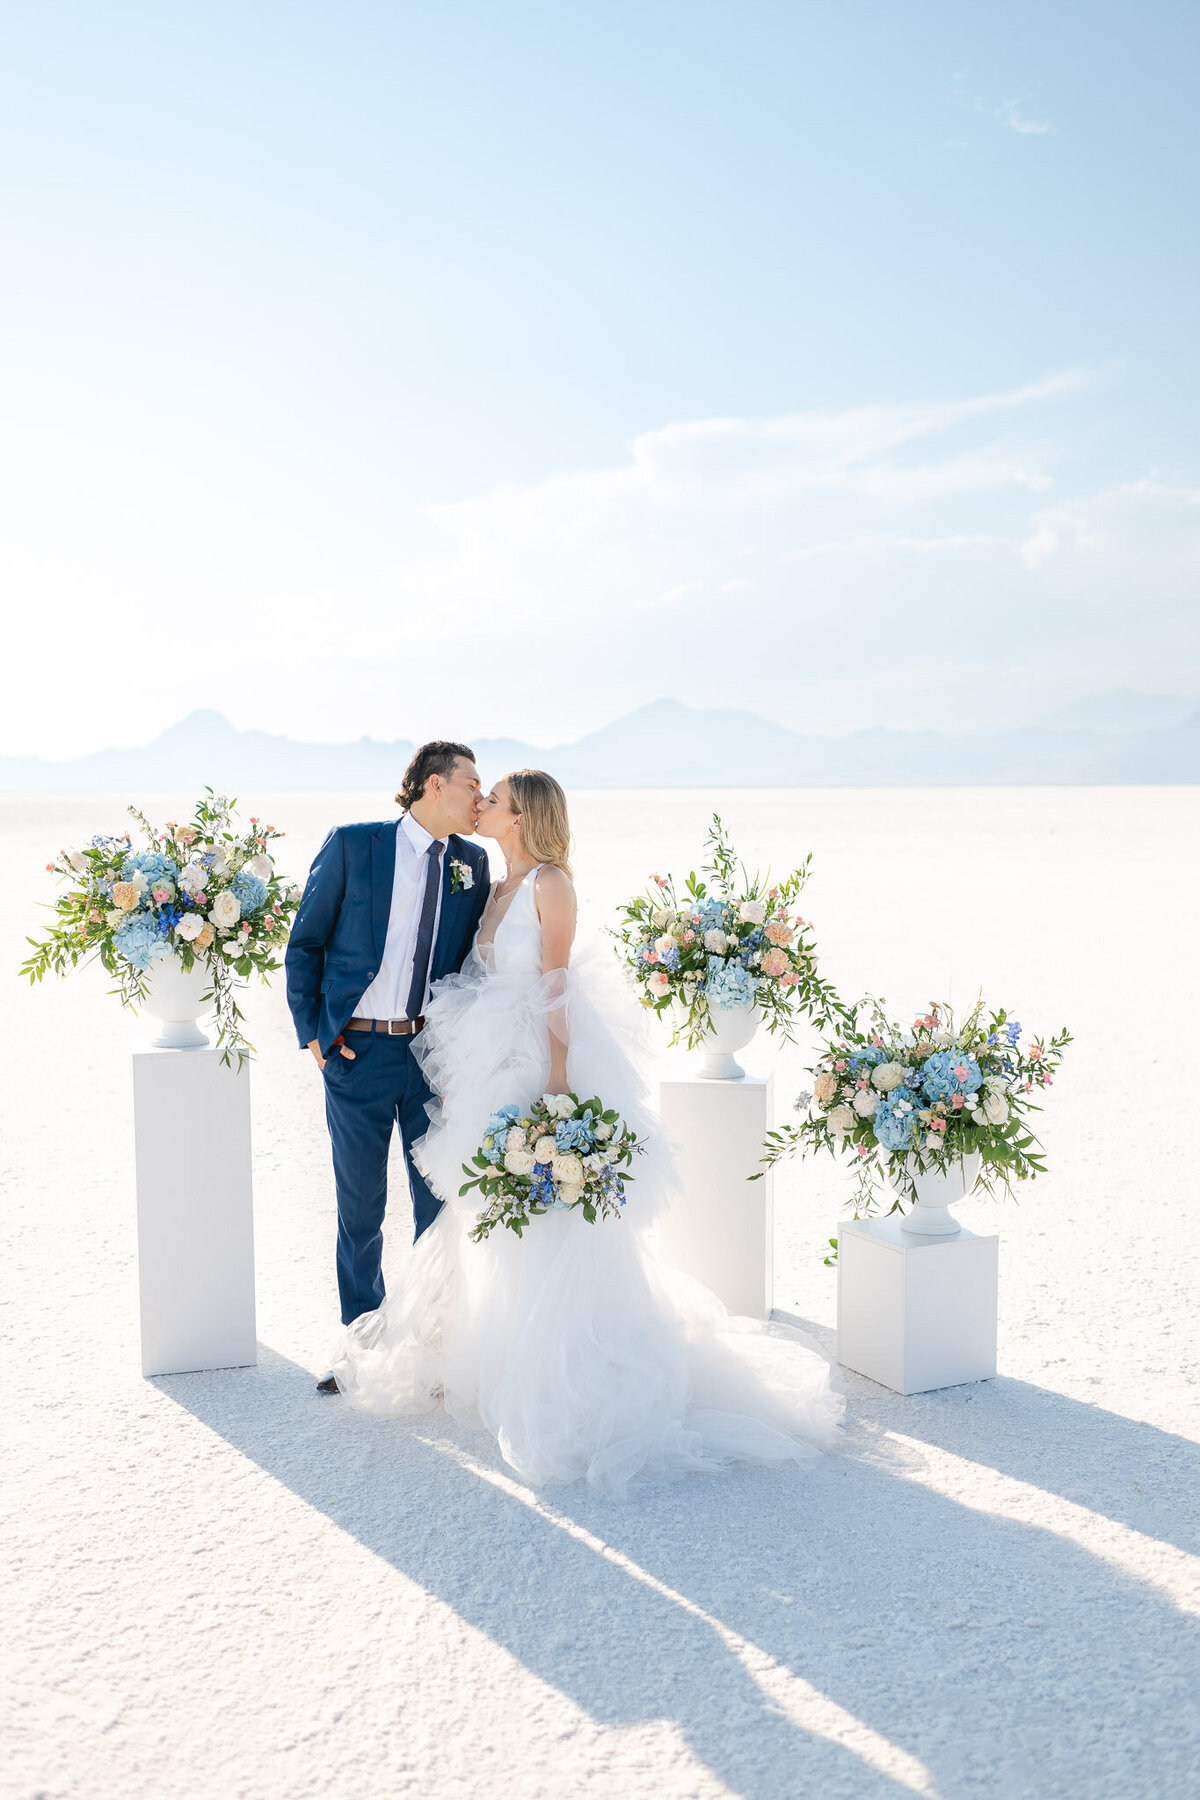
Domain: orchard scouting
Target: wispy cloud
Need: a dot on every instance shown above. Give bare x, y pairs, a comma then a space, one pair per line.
1011, 114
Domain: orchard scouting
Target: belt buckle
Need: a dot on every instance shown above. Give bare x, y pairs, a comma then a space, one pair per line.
396, 1027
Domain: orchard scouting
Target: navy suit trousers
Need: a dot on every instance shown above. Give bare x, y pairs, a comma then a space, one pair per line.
364, 1099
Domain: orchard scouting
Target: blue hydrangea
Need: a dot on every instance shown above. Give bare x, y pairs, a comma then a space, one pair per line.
729, 986
893, 1128
151, 864
939, 1080
250, 890
497, 1129
713, 914
668, 959
574, 1134
140, 942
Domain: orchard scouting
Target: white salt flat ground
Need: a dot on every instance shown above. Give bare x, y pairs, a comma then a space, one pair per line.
220, 1585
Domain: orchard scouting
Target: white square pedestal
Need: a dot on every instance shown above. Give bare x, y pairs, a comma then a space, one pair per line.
719, 1230
916, 1313
191, 1120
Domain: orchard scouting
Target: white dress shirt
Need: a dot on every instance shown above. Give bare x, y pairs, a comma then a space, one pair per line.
387, 996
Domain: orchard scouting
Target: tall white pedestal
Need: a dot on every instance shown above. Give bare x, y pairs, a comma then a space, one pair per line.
191, 1119
720, 1227
916, 1313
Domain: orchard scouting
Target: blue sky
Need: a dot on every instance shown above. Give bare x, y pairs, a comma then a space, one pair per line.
397, 369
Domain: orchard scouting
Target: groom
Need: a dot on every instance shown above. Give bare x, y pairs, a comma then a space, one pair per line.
387, 909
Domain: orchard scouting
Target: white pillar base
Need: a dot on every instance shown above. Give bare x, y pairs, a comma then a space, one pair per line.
916, 1313
195, 1211
720, 1229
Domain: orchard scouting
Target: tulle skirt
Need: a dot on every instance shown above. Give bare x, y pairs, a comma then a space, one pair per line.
574, 1346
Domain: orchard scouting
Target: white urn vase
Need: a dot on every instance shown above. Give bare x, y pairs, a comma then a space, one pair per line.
729, 1029
174, 999
937, 1191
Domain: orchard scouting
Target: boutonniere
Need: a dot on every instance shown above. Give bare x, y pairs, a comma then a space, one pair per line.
462, 876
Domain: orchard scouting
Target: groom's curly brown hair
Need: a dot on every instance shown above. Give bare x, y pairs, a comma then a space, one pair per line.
436, 758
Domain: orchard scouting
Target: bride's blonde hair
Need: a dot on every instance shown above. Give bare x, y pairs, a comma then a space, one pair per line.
545, 826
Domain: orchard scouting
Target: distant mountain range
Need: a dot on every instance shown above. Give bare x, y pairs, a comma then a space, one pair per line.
1110, 739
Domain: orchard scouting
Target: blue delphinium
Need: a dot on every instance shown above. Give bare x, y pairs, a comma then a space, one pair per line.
151, 864
729, 986
1013, 1032
543, 1191
669, 959
140, 942
939, 1080
250, 890
893, 1120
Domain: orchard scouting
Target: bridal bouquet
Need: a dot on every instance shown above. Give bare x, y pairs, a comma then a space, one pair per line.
728, 942
559, 1152
201, 892
901, 1102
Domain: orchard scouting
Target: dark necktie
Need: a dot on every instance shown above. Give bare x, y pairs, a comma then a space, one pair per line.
421, 955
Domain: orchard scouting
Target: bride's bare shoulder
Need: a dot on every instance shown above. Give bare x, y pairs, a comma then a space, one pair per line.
554, 889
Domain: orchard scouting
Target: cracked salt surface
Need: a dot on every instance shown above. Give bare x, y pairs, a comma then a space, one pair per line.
220, 1585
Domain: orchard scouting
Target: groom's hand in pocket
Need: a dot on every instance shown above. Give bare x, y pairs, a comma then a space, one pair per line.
339, 1043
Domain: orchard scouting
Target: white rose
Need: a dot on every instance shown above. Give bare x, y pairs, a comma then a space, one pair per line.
594, 1162
715, 941
561, 1105
602, 1132
189, 927
515, 1139
225, 911
192, 878
753, 911
139, 881
661, 917
567, 1171
888, 1075
519, 1162
995, 1109
77, 860
840, 1120
294, 894
943, 1039
114, 915
233, 947
659, 982
220, 859
995, 1084
262, 866
545, 1150
665, 943
570, 1193
865, 1103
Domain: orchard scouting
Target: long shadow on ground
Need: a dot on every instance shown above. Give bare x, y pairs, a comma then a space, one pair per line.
1005, 1659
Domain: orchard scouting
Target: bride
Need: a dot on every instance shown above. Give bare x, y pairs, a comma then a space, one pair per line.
581, 1353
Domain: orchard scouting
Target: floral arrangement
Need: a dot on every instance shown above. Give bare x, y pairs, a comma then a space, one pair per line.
201, 892
901, 1102
558, 1153
731, 941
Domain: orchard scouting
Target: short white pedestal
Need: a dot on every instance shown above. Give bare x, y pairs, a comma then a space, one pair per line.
191, 1119
916, 1313
719, 1229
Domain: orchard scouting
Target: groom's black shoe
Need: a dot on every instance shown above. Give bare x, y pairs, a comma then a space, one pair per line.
327, 1385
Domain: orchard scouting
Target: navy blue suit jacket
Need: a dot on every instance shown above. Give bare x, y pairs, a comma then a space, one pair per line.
337, 940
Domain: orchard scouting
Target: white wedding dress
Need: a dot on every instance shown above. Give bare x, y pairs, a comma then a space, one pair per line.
581, 1353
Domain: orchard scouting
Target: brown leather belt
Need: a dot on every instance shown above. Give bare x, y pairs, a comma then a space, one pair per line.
392, 1027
